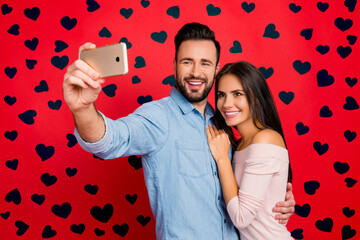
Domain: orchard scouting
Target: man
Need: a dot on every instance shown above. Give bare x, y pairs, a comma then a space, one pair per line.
180, 174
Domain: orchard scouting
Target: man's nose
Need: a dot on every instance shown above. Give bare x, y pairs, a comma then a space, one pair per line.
196, 70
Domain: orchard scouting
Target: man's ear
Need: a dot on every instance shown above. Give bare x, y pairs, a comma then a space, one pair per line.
174, 63
217, 68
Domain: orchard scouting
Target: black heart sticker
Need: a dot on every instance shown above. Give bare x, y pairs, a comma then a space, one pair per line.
62, 210
102, 214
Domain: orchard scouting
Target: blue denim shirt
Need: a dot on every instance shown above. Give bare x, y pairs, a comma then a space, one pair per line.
180, 173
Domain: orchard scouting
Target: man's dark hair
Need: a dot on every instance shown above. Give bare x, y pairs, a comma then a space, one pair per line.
196, 31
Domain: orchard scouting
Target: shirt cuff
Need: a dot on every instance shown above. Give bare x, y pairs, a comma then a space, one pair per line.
100, 145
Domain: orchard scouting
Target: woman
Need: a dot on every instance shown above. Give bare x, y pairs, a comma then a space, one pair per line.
257, 180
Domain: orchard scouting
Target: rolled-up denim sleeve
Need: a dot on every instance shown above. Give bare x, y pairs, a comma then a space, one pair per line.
142, 132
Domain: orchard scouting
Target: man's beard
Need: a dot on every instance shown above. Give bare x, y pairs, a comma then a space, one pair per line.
181, 86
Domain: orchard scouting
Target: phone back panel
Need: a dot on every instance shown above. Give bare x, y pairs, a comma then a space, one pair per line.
110, 60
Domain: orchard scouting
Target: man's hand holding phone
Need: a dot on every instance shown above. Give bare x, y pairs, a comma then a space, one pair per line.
84, 77
82, 84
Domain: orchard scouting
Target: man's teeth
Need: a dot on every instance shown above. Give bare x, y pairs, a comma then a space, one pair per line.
195, 83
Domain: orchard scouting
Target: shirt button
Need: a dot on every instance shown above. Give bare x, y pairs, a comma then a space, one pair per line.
215, 173
218, 197
224, 220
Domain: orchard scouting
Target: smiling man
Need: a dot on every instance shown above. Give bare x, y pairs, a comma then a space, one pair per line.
180, 173
195, 70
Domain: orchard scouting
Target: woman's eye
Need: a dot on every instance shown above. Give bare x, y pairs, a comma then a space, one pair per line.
220, 95
238, 94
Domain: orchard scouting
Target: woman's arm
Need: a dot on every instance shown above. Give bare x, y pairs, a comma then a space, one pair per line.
242, 205
249, 199
219, 144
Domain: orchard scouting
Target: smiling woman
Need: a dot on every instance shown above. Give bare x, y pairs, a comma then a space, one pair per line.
256, 178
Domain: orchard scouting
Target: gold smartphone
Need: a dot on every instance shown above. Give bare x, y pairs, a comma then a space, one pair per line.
110, 60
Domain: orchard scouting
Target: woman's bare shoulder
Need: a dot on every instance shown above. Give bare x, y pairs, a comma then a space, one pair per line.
269, 136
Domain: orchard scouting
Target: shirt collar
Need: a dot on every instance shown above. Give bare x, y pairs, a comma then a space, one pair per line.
185, 106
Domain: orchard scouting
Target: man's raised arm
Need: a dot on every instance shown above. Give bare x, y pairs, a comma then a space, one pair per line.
81, 87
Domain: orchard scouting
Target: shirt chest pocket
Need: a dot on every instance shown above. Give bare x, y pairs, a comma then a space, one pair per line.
192, 158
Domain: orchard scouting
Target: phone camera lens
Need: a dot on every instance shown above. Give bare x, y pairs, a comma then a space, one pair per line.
117, 59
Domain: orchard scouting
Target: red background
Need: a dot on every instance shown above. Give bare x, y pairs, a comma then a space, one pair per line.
117, 178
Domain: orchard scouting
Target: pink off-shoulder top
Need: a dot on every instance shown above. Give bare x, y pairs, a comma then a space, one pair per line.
261, 172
